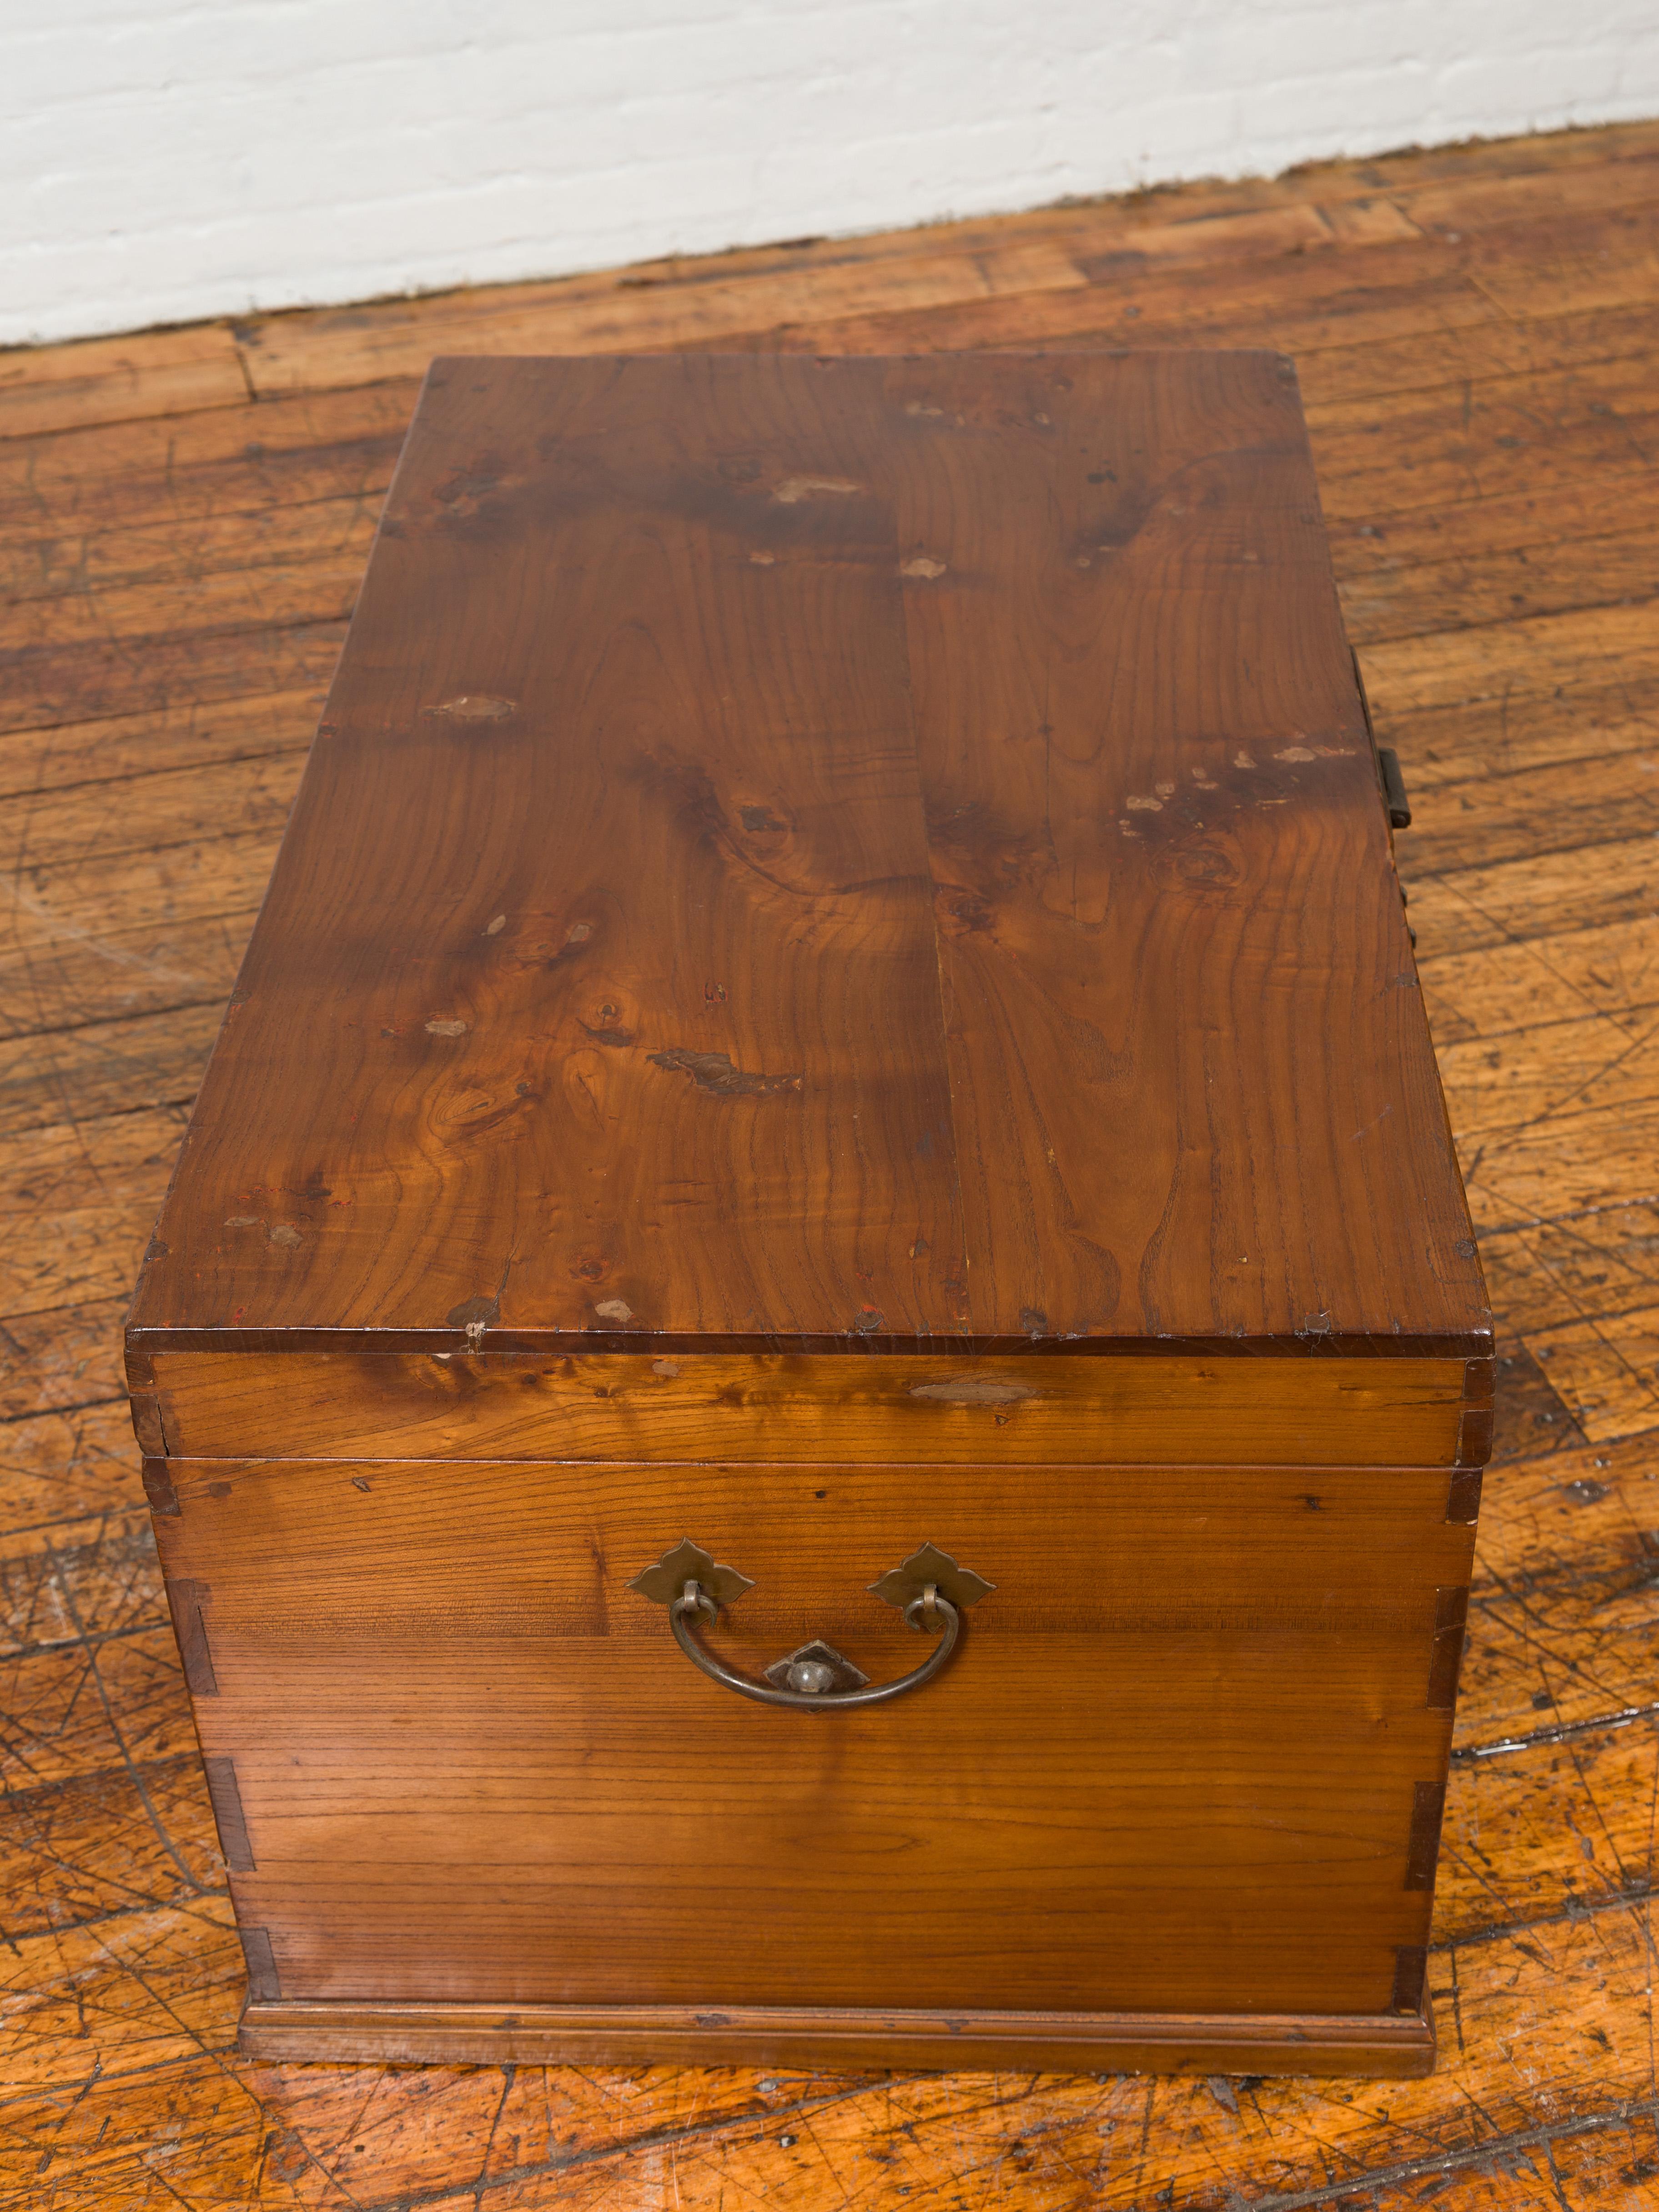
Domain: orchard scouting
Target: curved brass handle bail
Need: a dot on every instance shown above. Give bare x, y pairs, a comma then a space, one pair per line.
931, 1609
930, 1588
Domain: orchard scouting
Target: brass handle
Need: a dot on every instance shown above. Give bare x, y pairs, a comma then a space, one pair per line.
818, 1693
930, 1589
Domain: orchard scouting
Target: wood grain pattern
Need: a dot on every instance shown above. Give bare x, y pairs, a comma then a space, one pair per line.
1410, 316
1236, 850
1252, 222
106, 1067
468, 1680
124, 2091
874, 1408
864, 683
130, 746
114, 379
185, 915
959, 2040
1610, 972
983, 737
198, 464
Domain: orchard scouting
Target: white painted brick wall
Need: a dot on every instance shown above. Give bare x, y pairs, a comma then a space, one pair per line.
161, 159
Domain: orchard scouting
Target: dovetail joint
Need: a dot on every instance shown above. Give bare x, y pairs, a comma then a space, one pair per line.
234, 1846
185, 1600
1463, 1496
159, 1489
1451, 1613
264, 1985
1410, 1972
1428, 1805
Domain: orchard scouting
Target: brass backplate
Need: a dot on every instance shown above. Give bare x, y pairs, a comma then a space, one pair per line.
689, 1563
903, 1585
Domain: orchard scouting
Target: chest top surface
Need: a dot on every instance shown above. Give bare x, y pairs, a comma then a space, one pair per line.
833, 854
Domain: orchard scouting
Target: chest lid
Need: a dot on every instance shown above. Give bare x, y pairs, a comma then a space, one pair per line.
833, 854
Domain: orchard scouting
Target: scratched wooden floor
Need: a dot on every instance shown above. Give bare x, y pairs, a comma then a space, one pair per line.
185, 519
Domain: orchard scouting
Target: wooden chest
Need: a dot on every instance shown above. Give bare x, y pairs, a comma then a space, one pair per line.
831, 1086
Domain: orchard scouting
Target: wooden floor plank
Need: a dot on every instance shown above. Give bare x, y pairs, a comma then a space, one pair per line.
55, 1362
1531, 1421
1460, 667
254, 598
89, 566
1471, 204
220, 799
77, 1202
1613, 971
62, 1467
1602, 266
1610, 708
1554, 1170
179, 734
134, 934
144, 674
145, 1986
1506, 1814
1361, 342
1585, 804
155, 372
88, 1579
76, 1853
1601, 1264
1505, 436
289, 353
1402, 316
1480, 529
73, 980
75, 1708
1516, 901
1553, 579
1559, 1610
1608, 1371
1470, 341
228, 460
1551, 1073
1474, 328
98, 1248
106, 1067
292, 352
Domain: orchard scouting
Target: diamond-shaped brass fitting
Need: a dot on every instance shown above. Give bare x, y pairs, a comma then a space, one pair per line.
817, 1656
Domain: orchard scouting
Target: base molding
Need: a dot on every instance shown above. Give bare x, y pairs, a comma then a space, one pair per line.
1379, 2044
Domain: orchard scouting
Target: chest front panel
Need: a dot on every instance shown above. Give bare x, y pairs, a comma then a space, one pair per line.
1181, 1760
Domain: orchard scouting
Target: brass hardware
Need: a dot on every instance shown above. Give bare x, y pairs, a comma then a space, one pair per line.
928, 1588
1394, 789
1395, 805
688, 1562
814, 1668
901, 1586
